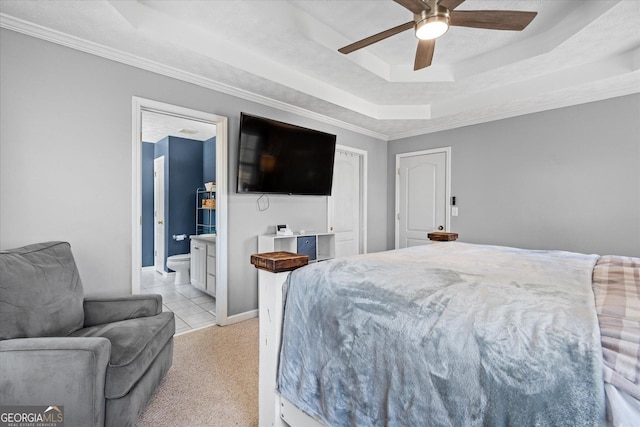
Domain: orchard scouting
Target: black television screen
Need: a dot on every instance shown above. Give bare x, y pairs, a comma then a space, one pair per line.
280, 158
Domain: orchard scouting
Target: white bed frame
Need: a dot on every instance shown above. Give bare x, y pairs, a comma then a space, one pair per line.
274, 410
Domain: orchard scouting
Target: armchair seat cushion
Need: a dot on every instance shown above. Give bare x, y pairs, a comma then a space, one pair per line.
135, 343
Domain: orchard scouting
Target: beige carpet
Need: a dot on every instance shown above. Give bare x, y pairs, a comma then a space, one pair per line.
213, 380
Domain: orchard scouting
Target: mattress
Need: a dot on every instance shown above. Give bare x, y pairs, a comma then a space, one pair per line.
445, 334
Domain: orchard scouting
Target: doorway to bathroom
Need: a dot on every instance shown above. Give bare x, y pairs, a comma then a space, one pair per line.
184, 149
171, 214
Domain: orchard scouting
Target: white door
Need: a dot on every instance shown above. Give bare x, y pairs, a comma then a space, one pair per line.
421, 196
346, 204
158, 214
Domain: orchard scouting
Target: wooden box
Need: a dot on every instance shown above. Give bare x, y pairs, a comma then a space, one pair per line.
442, 236
277, 262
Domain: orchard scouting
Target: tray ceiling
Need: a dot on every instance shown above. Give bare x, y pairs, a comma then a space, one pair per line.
284, 54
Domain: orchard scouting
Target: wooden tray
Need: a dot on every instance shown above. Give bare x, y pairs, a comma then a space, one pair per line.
277, 262
442, 236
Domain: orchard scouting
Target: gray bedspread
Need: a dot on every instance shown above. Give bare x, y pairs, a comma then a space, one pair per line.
448, 334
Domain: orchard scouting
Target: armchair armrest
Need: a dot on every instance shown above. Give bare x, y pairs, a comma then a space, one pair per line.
67, 372
101, 310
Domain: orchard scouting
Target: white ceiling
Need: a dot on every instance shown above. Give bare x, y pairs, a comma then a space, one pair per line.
156, 126
284, 54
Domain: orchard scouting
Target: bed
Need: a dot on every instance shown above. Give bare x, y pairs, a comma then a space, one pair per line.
452, 334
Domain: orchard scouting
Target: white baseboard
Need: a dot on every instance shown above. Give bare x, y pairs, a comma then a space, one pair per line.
242, 317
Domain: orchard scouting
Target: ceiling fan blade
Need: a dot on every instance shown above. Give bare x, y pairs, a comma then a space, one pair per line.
415, 6
376, 38
492, 19
450, 4
424, 54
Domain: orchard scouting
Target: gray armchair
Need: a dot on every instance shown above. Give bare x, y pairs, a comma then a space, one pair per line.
99, 358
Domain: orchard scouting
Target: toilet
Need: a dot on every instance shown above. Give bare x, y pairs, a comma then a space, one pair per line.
180, 264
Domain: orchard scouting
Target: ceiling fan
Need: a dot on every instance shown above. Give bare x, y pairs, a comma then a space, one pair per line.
432, 18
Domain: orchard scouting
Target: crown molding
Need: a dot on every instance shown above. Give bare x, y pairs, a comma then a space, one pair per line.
538, 108
53, 36
57, 37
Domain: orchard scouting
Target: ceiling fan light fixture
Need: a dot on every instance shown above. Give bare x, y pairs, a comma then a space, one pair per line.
432, 27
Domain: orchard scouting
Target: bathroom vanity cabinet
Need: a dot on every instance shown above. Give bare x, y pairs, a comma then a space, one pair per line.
203, 263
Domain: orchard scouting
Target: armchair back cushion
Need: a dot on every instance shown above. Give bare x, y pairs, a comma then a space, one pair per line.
41, 294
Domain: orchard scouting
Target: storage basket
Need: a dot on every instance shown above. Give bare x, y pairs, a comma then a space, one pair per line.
209, 203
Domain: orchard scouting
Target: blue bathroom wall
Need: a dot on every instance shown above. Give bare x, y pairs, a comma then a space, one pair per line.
184, 166
185, 176
147, 203
209, 160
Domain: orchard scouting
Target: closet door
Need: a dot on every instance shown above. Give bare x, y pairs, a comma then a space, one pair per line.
421, 197
345, 203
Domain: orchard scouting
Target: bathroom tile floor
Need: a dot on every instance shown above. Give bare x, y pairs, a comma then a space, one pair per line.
193, 309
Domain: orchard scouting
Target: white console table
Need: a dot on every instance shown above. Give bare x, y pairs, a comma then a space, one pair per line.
317, 246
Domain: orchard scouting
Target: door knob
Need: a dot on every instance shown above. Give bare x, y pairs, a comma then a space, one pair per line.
440, 228
160, 222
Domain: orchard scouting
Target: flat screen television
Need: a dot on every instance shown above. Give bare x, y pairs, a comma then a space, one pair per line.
281, 158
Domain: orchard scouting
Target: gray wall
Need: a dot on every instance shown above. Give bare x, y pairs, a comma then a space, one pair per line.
65, 163
563, 179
